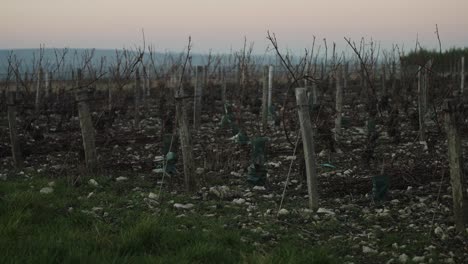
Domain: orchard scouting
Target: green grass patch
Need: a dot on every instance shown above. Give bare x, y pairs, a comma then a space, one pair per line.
41, 228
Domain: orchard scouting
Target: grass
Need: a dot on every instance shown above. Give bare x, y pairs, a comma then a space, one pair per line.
41, 228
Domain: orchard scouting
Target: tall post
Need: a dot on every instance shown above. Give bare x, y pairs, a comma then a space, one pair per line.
307, 134
338, 104
384, 81
457, 174
238, 75
363, 81
26, 81
224, 87
144, 84
15, 146
137, 94
38, 90
315, 94
48, 84
198, 93
265, 97
393, 77
86, 125
185, 139
270, 85
403, 85
109, 94
421, 105
148, 83
345, 76
462, 77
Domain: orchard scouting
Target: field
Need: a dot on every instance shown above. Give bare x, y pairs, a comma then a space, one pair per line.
384, 185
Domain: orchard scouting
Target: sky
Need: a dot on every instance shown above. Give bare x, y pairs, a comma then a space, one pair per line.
221, 25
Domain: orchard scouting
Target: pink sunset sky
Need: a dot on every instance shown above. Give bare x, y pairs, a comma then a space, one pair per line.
221, 25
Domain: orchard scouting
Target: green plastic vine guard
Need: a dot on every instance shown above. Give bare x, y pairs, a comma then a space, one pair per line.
241, 138
170, 157
328, 165
380, 186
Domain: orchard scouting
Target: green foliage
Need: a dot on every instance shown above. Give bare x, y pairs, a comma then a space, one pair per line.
441, 61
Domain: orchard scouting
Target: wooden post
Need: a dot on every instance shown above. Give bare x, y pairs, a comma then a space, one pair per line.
87, 128
26, 82
403, 85
148, 83
185, 139
238, 75
109, 94
315, 94
38, 91
308, 143
224, 87
421, 104
384, 81
462, 77
198, 93
15, 146
345, 76
306, 73
270, 85
265, 97
48, 84
205, 75
457, 174
137, 93
393, 77
338, 105
363, 81
143, 86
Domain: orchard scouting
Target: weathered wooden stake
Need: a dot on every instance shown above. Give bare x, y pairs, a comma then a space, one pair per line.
48, 84
345, 76
38, 90
143, 86
403, 84
185, 140
110, 87
338, 104
422, 103
393, 76
270, 85
457, 174
239, 76
137, 95
198, 93
384, 81
265, 97
148, 83
363, 81
87, 128
308, 143
462, 85
224, 87
15, 146
315, 94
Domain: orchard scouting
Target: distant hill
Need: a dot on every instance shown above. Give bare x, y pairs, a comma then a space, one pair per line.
74, 58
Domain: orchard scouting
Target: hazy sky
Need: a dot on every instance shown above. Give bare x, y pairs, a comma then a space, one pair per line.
221, 24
